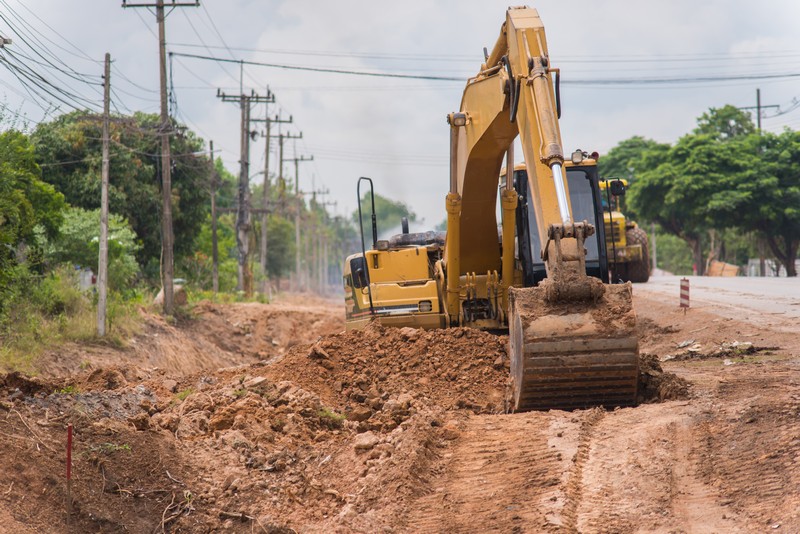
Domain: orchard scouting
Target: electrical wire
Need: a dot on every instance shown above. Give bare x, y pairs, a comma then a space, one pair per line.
320, 69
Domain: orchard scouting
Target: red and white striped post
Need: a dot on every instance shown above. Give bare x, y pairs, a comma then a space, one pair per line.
684, 294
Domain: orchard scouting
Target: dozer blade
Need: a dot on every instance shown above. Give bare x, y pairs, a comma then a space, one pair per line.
567, 355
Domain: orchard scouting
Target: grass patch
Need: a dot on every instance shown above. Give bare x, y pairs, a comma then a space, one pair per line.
331, 419
198, 295
108, 448
45, 312
181, 395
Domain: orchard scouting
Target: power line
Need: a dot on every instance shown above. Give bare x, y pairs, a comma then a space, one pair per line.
320, 69
584, 82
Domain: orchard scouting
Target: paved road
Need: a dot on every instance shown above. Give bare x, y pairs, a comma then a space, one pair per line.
770, 302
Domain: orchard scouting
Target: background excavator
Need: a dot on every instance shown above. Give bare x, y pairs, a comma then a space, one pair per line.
542, 274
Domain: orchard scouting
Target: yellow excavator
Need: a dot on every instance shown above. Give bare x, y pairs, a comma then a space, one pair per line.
625, 240
541, 274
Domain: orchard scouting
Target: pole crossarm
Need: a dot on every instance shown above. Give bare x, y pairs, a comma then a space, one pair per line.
253, 98
165, 4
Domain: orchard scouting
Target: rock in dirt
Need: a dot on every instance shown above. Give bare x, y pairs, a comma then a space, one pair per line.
365, 441
359, 413
179, 296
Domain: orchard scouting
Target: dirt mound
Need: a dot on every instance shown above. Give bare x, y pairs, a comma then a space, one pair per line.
656, 385
263, 331
232, 451
356, 370
216, 336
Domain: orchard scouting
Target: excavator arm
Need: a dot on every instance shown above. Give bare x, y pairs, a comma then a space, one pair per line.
572, 340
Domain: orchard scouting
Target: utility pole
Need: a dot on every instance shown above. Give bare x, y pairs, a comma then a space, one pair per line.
214, 246
102, 261
243, 225
758, 107
313, 242
268, 121
281, 178
322, 248
166, 160
298, 203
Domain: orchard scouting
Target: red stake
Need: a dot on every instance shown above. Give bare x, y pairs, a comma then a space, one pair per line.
69, 472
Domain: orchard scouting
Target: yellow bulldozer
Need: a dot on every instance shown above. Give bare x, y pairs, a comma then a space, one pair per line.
541, 275
626, 242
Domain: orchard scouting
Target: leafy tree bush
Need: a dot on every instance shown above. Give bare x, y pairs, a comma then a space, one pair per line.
69, 149
79, 244
25, 200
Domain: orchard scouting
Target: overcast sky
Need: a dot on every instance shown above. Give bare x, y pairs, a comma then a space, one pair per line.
394, 130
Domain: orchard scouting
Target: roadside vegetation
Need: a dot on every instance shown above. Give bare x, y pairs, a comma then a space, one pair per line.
726, 191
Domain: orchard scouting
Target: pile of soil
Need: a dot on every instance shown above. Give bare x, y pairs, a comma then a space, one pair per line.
217, 454
455, 368
657, 385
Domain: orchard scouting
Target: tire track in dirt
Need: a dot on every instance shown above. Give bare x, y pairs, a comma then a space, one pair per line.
751, 450
498, 476
574, 487
644, 473
695, 504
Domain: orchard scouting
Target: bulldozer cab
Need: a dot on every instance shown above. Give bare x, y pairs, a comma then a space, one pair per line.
587, 204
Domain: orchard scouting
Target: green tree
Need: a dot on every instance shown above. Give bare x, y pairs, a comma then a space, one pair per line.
25, 200
281, 250
69, 150
760, 191
30, 211
78, 244
675, 193
727, 122
630, 157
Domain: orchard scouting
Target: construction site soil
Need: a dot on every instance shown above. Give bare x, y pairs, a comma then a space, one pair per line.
271, 418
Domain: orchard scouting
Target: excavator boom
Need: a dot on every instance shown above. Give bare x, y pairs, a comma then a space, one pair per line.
572, 338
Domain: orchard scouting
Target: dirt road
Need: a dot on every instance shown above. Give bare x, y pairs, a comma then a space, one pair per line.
308, 430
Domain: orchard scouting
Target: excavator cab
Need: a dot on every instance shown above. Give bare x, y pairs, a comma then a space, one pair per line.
586, 199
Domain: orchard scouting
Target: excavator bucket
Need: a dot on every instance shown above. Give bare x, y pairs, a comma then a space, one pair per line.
567, 355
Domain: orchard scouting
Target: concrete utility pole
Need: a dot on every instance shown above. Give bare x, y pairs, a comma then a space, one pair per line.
298, 203
243, 225
214, 248
281, 178
268, 121
321, 253
102, 261
165, 129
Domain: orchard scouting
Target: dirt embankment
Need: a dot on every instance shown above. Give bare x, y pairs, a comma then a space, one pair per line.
212, 337
307, 428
